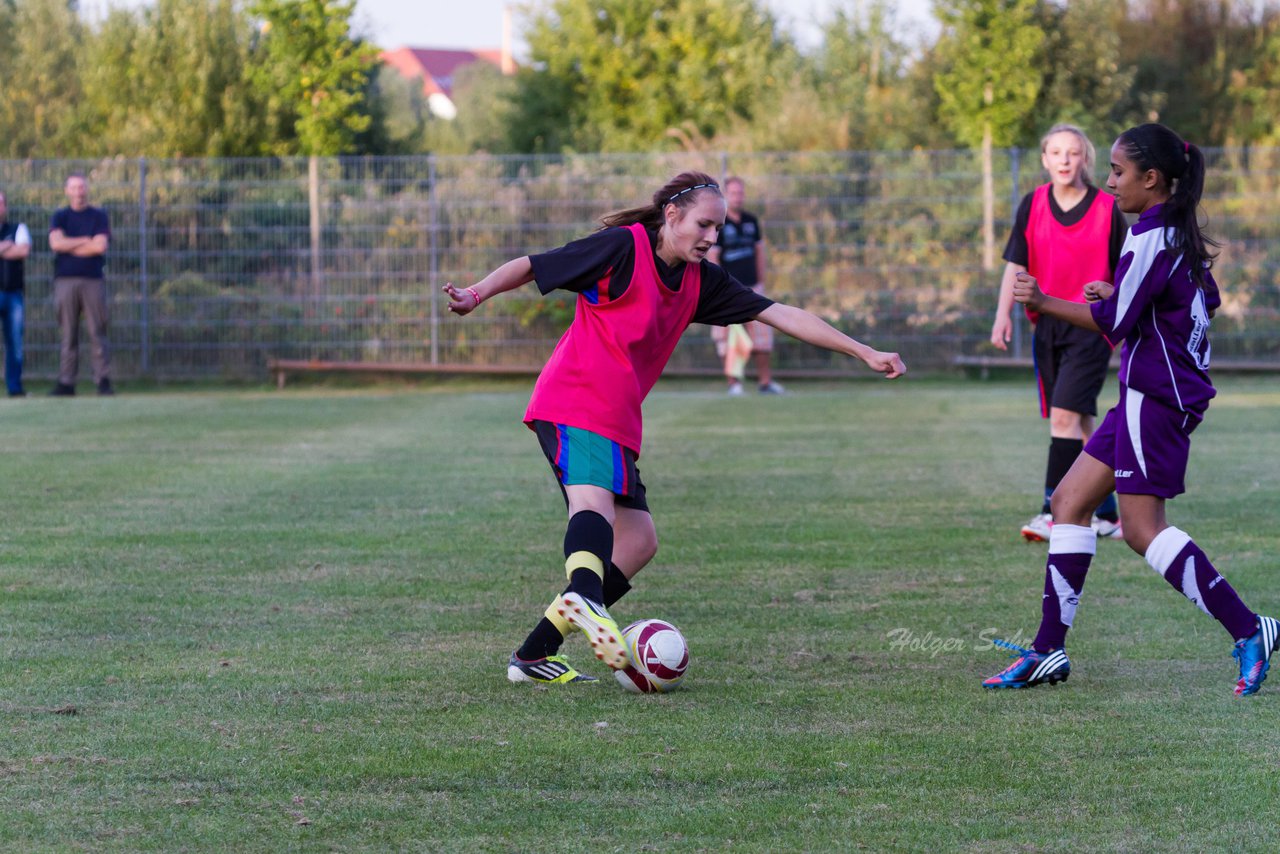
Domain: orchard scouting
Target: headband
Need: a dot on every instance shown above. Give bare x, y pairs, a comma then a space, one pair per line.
690, 190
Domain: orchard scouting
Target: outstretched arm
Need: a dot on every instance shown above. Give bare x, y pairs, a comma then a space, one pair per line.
508, 277
1027, 292
812, 329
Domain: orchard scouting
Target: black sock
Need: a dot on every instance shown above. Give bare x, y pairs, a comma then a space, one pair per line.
1108, 509
544, 640
1062, 454
588, 547
616, 585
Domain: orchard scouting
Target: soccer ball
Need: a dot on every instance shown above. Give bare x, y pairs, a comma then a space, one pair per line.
657, 654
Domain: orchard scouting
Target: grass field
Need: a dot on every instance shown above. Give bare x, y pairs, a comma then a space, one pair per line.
259, 621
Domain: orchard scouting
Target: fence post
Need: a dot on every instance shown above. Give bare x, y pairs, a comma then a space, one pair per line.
313, 196
144, 285
1019, 317
433, 258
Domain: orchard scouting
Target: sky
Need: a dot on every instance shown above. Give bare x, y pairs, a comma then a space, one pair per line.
478, 23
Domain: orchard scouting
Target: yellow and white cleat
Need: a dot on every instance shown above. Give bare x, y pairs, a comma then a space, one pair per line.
599, 627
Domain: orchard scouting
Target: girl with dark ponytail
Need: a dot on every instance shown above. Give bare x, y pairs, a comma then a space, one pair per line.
640, 281
1158, 311
1156, 149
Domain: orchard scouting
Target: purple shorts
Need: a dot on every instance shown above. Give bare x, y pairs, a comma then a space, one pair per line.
1147, 445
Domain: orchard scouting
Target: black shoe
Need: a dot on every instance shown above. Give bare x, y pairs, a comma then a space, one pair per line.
105, 389
552, 670
63, 390
22, 392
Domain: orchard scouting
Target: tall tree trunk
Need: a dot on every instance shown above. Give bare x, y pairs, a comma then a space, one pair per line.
988, 204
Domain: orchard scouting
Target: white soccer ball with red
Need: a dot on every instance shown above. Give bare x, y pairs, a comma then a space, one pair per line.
658, 656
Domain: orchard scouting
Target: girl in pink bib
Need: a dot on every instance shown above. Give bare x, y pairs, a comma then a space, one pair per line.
640, 281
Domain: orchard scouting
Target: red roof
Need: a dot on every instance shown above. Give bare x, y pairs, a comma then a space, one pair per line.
436, 67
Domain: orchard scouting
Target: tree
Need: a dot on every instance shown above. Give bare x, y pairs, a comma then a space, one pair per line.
860, 74
1255, 90
1087, 81
794, 116
991, 73
41, 64
619, 74
402, 122
313, 75
169, 80
485, 107
398, 114
1187, 55
545, 110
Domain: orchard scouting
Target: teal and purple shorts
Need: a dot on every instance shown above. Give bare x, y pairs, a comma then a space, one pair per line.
580, 457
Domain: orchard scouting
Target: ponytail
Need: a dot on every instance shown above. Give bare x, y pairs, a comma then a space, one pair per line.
1182, 165
681, 191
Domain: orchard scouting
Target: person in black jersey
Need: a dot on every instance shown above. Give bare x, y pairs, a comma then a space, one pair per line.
741, 251
79, 236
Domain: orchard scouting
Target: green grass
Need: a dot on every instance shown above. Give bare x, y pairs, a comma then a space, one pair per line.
282, 622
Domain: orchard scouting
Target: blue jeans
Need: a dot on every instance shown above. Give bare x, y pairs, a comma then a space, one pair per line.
11, 320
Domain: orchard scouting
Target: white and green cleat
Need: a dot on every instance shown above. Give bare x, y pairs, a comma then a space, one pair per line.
552, 670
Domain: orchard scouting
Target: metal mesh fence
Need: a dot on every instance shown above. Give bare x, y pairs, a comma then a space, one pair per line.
217, 265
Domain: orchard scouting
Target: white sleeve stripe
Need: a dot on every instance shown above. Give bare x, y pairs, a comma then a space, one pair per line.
1145, 247
22, 236
1168, 362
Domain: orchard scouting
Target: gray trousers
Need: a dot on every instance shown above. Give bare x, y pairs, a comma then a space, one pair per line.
71, 296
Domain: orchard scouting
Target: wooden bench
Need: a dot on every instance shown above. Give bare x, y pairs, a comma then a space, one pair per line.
282, 368
985, 364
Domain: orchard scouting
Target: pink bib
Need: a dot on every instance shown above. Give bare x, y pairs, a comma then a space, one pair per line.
612, 354
1064, 258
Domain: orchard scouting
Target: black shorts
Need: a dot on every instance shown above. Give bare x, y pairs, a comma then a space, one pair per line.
1071, 365
579, 456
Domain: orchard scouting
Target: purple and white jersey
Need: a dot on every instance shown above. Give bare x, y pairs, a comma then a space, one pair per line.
1162, 316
